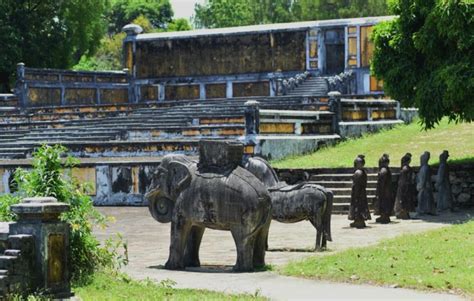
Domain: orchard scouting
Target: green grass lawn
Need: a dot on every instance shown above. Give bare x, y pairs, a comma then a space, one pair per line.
442, 259
108, 286
457, 138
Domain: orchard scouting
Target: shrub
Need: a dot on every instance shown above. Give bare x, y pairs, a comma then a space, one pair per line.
52, 177
5, 202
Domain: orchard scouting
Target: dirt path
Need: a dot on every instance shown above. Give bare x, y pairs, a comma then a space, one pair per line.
148, 243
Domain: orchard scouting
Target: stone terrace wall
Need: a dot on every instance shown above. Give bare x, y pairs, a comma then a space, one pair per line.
460, 175
51, 87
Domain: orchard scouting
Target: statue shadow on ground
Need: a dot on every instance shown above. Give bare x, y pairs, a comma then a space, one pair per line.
209, 268
297, 250
458, 216
349, 227
392, 222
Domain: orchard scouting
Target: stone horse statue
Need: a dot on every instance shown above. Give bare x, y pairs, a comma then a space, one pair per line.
294, 203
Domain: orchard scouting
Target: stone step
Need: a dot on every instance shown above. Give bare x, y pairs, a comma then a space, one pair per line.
7, 262
21, 241
347, 191
12, 155
4, 272
3, 285
12, 252
340, 177
342, 184
338, 199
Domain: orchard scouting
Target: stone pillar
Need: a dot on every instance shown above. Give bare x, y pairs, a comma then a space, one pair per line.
252, 117
39, 217
21, 87
336, 107
129, 49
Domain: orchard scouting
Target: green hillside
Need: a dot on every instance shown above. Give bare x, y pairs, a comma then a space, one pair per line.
458, 139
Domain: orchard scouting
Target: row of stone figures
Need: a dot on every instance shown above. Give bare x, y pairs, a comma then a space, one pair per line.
286, 85
412, 194
222, 193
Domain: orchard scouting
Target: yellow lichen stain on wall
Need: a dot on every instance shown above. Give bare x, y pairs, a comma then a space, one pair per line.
277, 128
86, 175
251, 89
354, 115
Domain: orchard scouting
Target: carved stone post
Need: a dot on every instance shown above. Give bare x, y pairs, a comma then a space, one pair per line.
336, 107
252, 117
39, 217
21, 87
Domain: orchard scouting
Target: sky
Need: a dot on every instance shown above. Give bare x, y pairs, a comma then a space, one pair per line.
184, 8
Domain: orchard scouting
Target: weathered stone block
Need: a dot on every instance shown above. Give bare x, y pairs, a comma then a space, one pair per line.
215, 153
464, 198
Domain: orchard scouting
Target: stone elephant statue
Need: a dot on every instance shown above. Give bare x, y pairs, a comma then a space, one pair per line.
193, 199
294, 203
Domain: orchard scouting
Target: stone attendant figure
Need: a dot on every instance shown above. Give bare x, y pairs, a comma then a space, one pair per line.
443, 186
406, 191
359, 209
424, 186
384, 193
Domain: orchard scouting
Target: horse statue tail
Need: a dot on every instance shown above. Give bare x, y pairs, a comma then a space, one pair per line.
327, 215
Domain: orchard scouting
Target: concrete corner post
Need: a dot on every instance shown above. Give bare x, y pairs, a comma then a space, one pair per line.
39, 217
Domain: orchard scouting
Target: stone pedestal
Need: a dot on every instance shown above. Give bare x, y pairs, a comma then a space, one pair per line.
39, 217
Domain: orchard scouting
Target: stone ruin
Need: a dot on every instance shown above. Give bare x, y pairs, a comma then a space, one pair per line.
34, 250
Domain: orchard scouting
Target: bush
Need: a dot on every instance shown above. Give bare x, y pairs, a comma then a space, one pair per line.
49, 178
5, 202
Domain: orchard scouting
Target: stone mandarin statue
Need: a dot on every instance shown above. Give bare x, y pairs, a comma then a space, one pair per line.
384, 192
359, 208
406, 190
424, 186
443, 185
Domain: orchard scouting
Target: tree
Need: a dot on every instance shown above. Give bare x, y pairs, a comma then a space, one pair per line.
426, 58
222, 13
48, 33
179, 24
225, 13
109, 55
158, 12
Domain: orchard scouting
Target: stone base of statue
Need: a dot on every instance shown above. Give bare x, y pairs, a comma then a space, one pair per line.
403, 214
383, 219
358, 223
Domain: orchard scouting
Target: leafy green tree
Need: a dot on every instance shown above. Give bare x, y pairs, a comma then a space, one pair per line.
222, 13
109, 56
48, 33
158, 12
426, 58
225, 13
179, 24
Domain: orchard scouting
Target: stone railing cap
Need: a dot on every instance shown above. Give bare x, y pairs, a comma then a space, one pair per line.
132, 29
46, 199
46, 205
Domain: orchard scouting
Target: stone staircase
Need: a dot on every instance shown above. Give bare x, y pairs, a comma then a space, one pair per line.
16, 254
341, 185
129, 130
311, 86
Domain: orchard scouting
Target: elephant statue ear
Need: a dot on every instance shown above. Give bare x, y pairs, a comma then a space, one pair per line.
161, 208
179, 177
